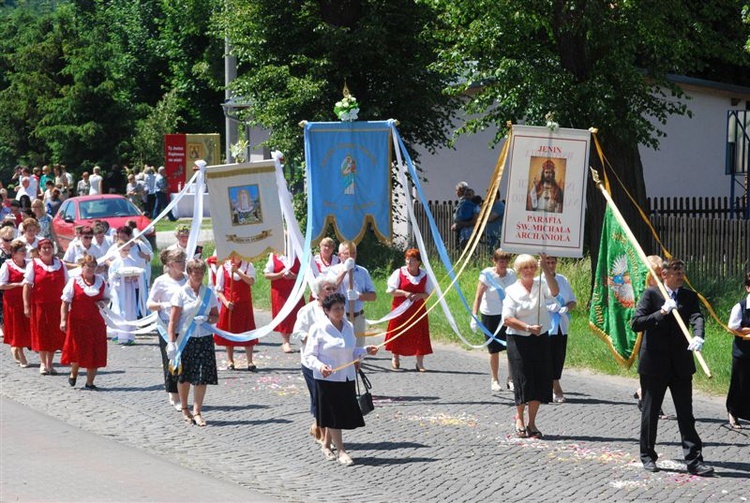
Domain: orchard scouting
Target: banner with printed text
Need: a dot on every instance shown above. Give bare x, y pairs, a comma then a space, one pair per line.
245, 209
546, 195
351, 165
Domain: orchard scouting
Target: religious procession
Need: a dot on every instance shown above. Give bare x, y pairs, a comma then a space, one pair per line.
100, 291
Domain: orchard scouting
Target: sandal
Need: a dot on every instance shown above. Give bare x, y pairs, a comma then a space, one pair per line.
345, 460
329, 455
251, 367
187, 416
230, 366
198, 420
734, 423
535, 434
395, 364
521, 432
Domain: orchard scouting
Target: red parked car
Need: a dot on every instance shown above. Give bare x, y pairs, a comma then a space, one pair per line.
84, 210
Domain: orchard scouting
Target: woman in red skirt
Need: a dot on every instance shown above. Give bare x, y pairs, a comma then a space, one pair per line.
282, 276
17, 331
233, 290
86, 339
409, 282
44, 281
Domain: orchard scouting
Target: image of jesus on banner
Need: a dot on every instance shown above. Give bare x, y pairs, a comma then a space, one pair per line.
546, 185
349, 172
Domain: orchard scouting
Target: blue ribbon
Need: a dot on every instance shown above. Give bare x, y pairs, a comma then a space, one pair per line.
556, 316
442, 251
205, 298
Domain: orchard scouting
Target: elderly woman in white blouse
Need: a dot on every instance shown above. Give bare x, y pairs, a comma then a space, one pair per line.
330, 348
307, 317
528, 321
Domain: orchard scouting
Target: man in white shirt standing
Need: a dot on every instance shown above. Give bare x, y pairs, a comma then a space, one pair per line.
355, 283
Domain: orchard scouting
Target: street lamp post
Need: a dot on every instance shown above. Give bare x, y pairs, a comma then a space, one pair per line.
233, 111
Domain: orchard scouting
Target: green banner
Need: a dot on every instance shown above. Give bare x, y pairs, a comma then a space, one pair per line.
619, 282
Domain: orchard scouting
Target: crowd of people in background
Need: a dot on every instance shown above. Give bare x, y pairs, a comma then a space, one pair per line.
145, 187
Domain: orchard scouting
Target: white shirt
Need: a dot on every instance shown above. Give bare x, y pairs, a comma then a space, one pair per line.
29, 246
103, 248
567, 295
30, 274
525, 307
151, 183
327, 346
322, 267
5, 273
90, 290
310, 314
394, 280
95, 185
75, 252
362, 282
735, 317
163, 290
187, 299
491, 303
245, 267
33, 189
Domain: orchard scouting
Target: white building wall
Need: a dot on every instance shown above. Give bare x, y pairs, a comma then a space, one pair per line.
691, 158
689, 162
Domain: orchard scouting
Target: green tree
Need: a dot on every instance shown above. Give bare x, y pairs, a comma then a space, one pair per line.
590, 62
295, 57
83, 81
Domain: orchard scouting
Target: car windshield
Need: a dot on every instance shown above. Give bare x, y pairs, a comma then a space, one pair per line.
104, 208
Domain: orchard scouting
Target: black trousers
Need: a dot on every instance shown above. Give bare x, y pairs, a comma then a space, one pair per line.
653, 390
170, 380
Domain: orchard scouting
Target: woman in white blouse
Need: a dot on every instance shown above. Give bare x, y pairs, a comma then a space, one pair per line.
525, 314
559, 312
160, 300
307, 317
192, 306
493, 281
330, 350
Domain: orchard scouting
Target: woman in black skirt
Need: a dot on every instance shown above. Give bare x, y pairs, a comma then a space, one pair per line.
331, 347
525, 314
489, 302
192, 306
738, 397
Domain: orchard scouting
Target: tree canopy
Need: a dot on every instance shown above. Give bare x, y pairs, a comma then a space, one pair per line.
591, 63
294, 59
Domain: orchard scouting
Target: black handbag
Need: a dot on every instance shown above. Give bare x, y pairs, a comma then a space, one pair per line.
364, 399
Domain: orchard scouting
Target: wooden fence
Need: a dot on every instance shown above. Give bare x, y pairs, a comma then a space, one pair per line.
699, 207
713, 247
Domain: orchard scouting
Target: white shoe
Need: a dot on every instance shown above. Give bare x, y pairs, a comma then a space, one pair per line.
510, 386
495, 386
559, 399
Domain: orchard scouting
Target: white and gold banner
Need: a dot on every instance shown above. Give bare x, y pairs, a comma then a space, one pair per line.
245, 209
546, 196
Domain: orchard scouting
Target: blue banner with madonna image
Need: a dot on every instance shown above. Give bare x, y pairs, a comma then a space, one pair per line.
350, 163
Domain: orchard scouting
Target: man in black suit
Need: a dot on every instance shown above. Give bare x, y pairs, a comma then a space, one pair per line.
666, 361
